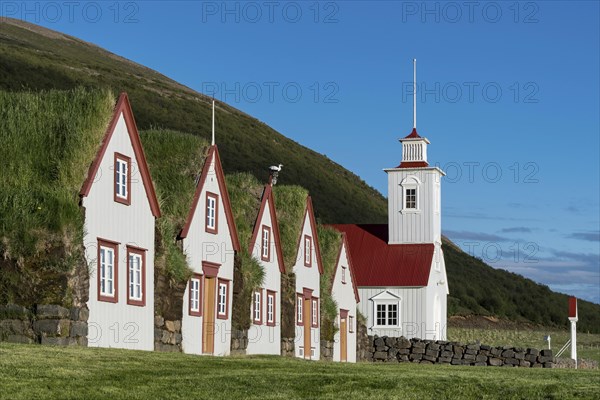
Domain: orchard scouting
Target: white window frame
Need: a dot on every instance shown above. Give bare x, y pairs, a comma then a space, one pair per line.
257, 307
222, 301
266, 243
211, 210
315, 312
195, 295
350, 323
121, 175
410, 183
299, 310
386, 304
104, 268
343, 275
135, 276
270, 308
307, 251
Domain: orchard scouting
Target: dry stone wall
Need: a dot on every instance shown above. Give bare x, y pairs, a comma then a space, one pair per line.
46, 324
392, 349
167, 335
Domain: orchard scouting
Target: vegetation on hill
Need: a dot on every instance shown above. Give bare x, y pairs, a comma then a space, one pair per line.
34, 58
476, 288
29, 371
49, 140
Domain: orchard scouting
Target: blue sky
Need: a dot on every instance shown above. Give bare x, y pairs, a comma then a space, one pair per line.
508, 96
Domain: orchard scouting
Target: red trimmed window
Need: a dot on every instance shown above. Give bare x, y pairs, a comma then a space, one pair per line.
344, 275
307, 251
257, 307
212, 212
265, 253
122, 169
223, 299
315, 312
136, 276
108, 271
271, 320
195, 291
299, 306
350, 324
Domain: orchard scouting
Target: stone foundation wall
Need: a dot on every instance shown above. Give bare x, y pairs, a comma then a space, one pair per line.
44, 324
167, 335
288, 347
326, 350
239, 342
391, 349
363, 343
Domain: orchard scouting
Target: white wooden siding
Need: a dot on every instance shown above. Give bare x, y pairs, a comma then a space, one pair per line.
343, 295
263, 339
119, 325
217, 248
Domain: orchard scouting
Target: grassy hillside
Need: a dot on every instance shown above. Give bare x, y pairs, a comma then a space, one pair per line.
28, 372
35, 58
476, 288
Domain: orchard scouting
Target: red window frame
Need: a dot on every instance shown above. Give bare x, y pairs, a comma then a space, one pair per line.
197, 313
123, 200
262, 243
314, 312
273, 295
299, 308
308, 250
258, 321
215, 197
226, 283
142, 253
115, 247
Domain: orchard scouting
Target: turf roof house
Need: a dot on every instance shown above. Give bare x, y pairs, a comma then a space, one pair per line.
399, 266
120, 212
210, 241
308, 269
264, 335
344, 293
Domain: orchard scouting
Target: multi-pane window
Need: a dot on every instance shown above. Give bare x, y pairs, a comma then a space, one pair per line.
222, 300
350, 324
257, 309
387, 314
307, 251
266, 243
195, 296
410, 198
211, 212
135, 277
270, 308
122, 178
299, 301
107, 271
343, 274
315, 313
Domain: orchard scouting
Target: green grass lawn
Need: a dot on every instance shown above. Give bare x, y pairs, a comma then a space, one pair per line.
588, 344
30, 371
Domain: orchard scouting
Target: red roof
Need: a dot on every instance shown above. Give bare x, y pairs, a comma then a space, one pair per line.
376, 263
413, 134
413, 164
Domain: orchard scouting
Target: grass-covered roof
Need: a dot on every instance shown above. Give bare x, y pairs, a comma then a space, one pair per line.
290, 202
49, 140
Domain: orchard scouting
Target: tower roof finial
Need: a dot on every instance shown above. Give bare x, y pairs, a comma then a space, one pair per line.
414, 93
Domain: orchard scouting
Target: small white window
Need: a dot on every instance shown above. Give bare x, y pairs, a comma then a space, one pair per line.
266, 243
270, 308
257, 306
387, 314
410, 198
307, 251
121, 177
350, 323
315, 313
222, 307
107, 271
299, 301
135, 276
343, 274
195, 295
211, 212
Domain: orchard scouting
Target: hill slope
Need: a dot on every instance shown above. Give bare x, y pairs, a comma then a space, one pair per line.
36, 58
32, 57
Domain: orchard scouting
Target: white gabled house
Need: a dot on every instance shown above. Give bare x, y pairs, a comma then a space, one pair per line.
308, 269
345, 293
400, 269
210, 241
120, 212
264, 334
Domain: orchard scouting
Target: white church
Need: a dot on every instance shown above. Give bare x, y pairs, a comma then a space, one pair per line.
399, 266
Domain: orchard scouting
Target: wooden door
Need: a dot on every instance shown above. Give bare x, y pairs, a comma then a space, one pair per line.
343, 340
307, 318
208, 324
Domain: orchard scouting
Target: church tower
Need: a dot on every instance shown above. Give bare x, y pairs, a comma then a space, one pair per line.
414, 192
